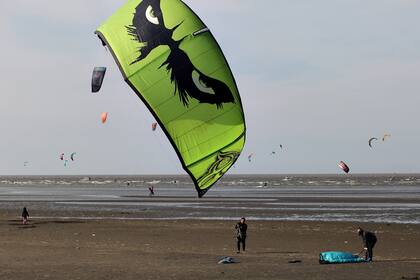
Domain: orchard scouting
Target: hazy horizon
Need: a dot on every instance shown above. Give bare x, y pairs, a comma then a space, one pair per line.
226, 175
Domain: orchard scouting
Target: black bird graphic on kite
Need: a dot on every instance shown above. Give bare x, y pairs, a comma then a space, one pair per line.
189, 81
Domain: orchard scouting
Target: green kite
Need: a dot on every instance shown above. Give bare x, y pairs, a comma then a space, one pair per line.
173, 63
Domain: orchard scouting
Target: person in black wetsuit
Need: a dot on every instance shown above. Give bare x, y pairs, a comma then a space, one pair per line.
369, 241
151, 191
25, 216
241, 228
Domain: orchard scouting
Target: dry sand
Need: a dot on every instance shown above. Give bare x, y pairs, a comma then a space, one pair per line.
111, 249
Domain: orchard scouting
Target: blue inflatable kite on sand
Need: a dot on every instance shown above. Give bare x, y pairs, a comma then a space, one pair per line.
339, 257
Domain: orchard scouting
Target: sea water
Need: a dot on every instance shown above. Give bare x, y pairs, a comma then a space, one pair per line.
388, 198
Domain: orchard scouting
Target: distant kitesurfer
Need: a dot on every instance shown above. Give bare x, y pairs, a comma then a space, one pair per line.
25, 216
151, 191
241, 228
369, 241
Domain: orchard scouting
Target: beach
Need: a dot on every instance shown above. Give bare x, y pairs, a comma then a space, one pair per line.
109, 228
190, 249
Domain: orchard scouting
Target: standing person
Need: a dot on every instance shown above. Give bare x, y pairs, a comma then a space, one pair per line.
25, 216
369, 241
151, 191
241, 228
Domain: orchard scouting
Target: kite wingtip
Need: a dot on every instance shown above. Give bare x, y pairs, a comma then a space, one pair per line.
201, 193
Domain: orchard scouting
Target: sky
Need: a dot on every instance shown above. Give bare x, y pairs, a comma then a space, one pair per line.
319, 77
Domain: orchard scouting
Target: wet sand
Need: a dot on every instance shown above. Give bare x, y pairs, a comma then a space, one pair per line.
381, 204
56, 248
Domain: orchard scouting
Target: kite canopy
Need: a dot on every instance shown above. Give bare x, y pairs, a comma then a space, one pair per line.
104, 117
339, 257
344, 166
154, 126
370, 141
173, 63
385, 136
97, 78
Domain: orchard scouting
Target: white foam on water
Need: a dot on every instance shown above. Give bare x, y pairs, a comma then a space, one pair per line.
235, 218
351, 205
154, 182
100, 196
